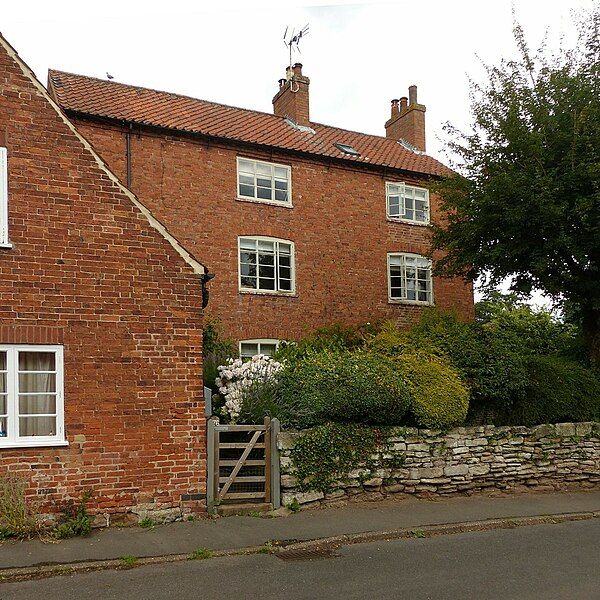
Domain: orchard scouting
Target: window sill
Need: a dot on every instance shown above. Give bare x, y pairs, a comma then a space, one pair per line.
407, 222
268, 202
266, 293
32, 444
6, 245
410, 302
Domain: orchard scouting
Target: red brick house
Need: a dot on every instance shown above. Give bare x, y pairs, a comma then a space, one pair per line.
303, 224
100, 324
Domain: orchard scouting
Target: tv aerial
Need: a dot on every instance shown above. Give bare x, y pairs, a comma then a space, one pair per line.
292, 39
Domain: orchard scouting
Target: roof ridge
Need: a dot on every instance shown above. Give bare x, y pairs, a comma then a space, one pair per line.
175, 94
250, 110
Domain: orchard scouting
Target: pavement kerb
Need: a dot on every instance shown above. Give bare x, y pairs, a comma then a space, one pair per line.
274, 546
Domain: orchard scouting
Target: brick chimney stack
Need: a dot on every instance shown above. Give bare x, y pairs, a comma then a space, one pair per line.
407, 121
292, 98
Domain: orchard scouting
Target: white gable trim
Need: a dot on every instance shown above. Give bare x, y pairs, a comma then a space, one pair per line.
154, 222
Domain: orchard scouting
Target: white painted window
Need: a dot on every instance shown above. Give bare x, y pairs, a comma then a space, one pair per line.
264, 181
250, 348
31, 396
409, 278
3, 197
407, 203
266, 265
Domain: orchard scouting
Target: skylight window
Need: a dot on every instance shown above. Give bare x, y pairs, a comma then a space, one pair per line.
347, 149
410, 147
303, 128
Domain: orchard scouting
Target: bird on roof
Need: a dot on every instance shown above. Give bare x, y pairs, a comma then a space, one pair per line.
109, 76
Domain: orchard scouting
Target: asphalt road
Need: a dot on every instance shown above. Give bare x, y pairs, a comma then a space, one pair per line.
537, 562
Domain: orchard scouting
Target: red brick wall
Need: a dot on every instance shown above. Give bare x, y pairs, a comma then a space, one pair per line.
338, 223
89, 272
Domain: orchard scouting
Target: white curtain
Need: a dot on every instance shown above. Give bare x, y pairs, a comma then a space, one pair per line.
37, 393
3, 396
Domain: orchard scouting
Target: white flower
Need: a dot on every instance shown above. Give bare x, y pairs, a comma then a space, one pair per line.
237, 377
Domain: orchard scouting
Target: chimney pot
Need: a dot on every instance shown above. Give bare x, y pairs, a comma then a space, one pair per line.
412, 94
408, 120
292, 98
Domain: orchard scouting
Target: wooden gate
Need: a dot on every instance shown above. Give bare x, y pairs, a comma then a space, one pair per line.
243, 465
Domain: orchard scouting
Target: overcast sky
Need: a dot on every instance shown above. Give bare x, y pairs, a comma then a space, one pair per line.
358, 55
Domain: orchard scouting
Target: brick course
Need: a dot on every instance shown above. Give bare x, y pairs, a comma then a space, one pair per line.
338, 223
88, 271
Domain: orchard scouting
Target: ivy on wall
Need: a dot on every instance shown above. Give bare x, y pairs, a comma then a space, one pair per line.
324, 455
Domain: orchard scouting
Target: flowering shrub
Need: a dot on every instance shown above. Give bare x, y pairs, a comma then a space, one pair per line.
237, 378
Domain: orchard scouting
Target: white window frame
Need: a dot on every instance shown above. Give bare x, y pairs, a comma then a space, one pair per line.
259, 342
4, 243
277, 241
13, 440
272, 202
404, 300
401, 217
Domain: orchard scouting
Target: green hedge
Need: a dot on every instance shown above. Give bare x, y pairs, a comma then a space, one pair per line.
440, 399
558, 390
343, 387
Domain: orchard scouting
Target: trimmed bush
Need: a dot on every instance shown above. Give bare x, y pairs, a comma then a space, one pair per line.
343, 387
334, 338
559, 390
440, 399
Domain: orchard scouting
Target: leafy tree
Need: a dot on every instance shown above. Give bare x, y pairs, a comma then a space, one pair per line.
525, 203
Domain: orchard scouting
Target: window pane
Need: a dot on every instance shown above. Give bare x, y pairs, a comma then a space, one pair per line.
394, 189
395, 260
248, 282
285, 285
248, 257
281, 172
247, 179
247, 244
34, 426
266, 259
268, 349
37, 382
285, 260
285, 248
3, 427
263, 193
247, 190
2, 361
262, 169
36, 361
266, 284
285, 272
246, 165
266, 271
249, 350
44, 404
248, 270
281, 195
281, 185
423, 297
2, 383
3, 404
266, 246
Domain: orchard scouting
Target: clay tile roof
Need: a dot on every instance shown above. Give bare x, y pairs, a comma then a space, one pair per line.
107, 99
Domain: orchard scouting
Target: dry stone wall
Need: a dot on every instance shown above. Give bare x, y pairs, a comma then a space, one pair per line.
463, 461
